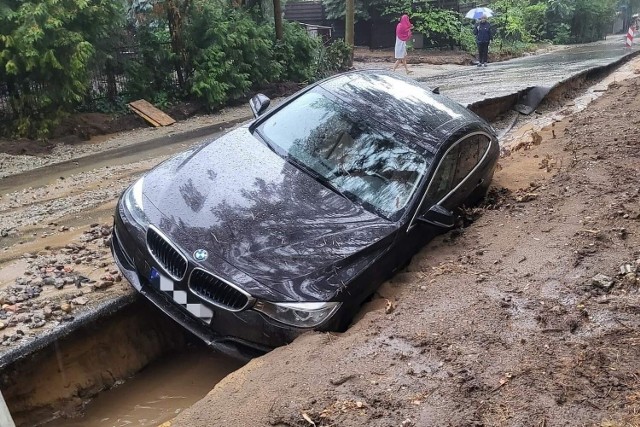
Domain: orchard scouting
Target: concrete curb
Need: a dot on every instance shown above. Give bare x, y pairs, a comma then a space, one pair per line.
103, 309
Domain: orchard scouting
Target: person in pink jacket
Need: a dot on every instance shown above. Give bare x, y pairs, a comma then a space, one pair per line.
403, 34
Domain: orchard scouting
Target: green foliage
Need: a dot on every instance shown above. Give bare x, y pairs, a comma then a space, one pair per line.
152, 69
591, 19
171, 49
467, 39
510, 23
563, 21
296, 53
428, 20
333, 59
534, 21
46, 47
364, 9
561, 33
339, 54
227, 53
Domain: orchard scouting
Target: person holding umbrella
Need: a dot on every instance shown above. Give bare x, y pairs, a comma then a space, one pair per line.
482, 31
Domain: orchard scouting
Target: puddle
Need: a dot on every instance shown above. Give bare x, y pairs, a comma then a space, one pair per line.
158, 393
9, 272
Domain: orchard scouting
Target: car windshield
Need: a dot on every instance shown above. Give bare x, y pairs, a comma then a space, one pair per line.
359, 159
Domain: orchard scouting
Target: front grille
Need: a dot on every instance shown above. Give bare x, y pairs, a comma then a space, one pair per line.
217, 291
166, 254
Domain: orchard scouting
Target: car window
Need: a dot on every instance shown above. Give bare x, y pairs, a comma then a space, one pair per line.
456, 165
366, 162
468, 158
442, 182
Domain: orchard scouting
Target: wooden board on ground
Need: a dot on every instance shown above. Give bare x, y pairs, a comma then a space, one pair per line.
150, 113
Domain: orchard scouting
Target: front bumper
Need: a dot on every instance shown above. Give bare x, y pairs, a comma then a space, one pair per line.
243, 335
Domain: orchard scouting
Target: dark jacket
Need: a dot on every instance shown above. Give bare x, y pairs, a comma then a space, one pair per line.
482, 30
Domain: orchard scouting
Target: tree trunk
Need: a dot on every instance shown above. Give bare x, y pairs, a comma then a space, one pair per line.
277, 17
176, 10
349, 20
174, 18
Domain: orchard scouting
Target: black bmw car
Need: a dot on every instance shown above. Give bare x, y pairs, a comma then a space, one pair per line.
288, 223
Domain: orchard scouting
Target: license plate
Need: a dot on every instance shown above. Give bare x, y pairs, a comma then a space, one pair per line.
180, 296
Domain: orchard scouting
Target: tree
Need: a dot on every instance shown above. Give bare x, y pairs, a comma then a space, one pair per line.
349, 26
174, 10
46, 49
277, 18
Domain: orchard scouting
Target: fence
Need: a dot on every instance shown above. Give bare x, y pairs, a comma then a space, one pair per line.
109, 80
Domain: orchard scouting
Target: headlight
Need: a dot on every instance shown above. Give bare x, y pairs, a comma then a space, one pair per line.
133, 202
301, 314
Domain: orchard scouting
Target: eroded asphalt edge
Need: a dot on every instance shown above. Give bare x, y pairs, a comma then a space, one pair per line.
109, 307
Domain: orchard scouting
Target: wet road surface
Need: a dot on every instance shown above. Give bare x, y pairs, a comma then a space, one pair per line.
472, 84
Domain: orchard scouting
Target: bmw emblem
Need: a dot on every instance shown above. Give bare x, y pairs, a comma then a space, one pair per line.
201, 255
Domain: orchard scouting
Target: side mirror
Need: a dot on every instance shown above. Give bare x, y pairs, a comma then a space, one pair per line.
439, 216
436, 90
259, 104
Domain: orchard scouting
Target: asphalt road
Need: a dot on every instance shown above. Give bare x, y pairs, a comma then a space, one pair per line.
469, 85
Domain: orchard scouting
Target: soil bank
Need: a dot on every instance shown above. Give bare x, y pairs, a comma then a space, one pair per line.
527, 316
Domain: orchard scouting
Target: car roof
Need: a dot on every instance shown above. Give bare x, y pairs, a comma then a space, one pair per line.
402, 104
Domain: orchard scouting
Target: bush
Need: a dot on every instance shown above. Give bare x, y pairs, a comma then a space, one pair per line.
332, 59
152, 69
297, 53
433, 22
227, 54
561, 33
46, 47
467, 39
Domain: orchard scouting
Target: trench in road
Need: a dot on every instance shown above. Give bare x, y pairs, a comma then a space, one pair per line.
167, 385
158, 393
160, 389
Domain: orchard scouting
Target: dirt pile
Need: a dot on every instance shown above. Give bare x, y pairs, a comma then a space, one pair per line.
529, 316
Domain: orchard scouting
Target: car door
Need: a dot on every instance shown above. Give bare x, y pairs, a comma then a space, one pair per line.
439, 186
456, 177
458, 174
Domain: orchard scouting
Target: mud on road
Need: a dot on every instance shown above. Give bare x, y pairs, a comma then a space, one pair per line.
525, 315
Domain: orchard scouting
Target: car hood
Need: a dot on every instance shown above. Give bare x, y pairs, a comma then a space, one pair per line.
243, 203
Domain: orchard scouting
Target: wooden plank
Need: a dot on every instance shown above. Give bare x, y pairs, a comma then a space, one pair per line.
144, 116
146, 110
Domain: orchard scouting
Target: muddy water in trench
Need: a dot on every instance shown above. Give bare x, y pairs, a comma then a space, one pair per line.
158, 393
168, 385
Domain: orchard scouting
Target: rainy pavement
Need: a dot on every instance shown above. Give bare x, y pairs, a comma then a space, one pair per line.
471, 84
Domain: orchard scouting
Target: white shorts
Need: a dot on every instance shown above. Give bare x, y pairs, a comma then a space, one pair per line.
401, 48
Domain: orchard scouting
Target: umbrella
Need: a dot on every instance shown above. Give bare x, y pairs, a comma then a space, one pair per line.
479, 12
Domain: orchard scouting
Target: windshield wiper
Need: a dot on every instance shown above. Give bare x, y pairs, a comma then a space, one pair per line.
315, 175
268, 143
